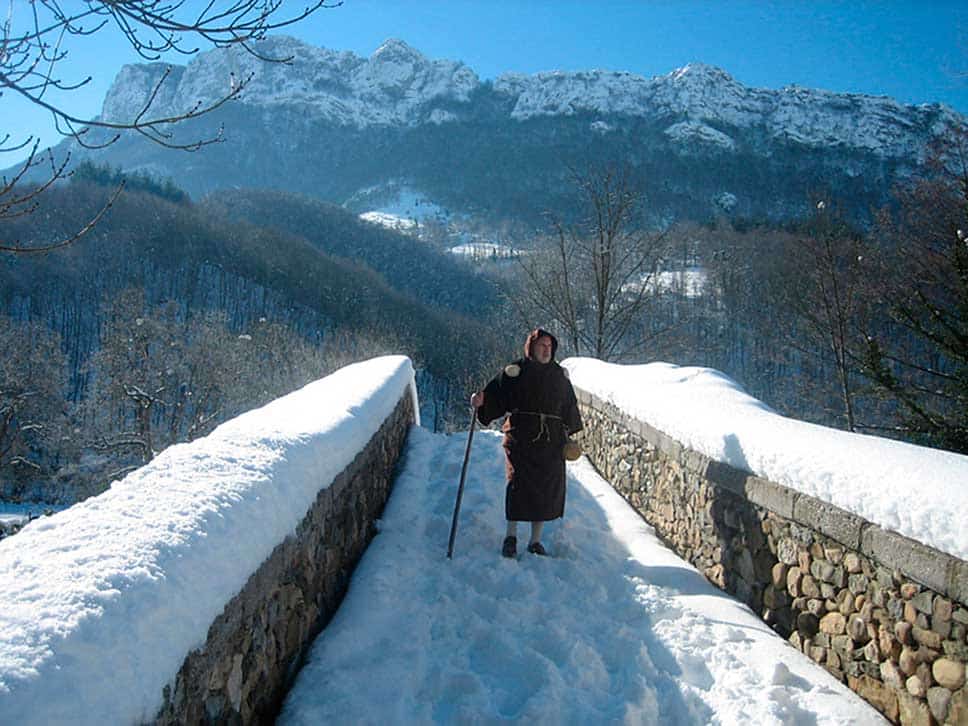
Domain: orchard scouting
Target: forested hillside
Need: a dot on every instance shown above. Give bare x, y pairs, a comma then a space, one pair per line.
170, 317
405, 264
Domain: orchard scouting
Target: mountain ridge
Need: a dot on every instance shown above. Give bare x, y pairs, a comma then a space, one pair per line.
698, 144
398, 85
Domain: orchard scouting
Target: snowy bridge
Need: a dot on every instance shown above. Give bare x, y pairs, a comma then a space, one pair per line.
193, 589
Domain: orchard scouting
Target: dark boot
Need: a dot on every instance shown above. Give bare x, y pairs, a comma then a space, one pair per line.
510, 547
536, 548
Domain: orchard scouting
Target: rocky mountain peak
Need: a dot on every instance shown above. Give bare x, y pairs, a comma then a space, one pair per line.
400, 70
697, 72
395, 65
700, 105
396, 85
395, 50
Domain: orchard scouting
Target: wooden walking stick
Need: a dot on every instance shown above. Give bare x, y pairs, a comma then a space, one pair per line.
460, 487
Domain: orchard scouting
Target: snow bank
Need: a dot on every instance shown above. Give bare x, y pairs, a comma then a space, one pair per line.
103, 601
919, 492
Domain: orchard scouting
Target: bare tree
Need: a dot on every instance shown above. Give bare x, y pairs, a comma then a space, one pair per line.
918, 355
33, 376
823, 287
269, 360
160, 378
596, 277
157, 378
34, 49
128, 385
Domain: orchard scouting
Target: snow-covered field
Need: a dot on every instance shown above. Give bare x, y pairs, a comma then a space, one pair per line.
391, 221
484, 250
611, 628
919, 492
689, 282
403, 209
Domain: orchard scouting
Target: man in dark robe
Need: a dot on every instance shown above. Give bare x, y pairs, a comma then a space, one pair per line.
543, 410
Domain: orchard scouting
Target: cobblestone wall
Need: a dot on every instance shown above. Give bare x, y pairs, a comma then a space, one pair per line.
257, 644
883, 613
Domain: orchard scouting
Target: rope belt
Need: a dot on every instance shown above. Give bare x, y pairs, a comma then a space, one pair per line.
543, 429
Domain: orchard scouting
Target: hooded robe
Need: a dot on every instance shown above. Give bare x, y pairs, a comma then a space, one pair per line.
543, 414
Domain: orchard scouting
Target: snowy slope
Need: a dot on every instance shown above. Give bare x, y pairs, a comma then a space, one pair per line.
397, 206
612, 628
102, 602
920, 492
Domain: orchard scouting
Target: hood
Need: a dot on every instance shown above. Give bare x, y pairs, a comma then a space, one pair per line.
533, 336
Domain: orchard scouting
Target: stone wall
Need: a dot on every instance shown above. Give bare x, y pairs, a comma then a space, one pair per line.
883, 613
256, 646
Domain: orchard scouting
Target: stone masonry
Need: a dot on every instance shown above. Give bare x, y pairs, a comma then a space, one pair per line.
883, 613
256, 646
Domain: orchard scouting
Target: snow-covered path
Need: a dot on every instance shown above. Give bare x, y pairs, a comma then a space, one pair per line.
612, 628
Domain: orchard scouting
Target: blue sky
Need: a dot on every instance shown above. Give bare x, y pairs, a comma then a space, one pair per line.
916, 52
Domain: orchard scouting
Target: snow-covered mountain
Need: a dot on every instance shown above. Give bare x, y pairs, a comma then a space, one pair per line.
364, 110
707, 98
395, 85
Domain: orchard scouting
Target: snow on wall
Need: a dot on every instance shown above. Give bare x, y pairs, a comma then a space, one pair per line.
103, 601
919, 492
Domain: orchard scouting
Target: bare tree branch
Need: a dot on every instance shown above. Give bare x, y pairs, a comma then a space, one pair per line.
22, 248
595, 280
33, 49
